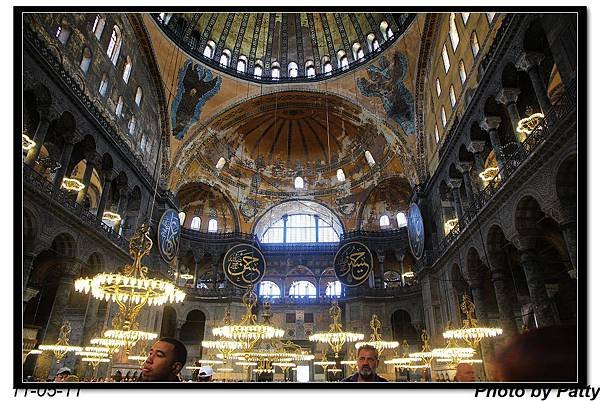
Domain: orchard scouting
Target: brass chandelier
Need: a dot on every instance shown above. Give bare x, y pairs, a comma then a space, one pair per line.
224, 346
425, 356
405, 361
376, 340
470, 332
335, 337
62, 347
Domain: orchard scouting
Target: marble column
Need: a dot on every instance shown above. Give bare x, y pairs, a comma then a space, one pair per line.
55, 320
381, 260
561, 33
215, 273
65, 157
122, 207
39, 137
476, 147
196, 269
569, 231
465, 169
505, 305
455, 184
89, 330
534, 274
487, 350
530, 62
508, 97
108, 177
490, 124
91, 159
28, 259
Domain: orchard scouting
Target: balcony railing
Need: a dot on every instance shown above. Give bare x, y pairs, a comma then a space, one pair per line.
566, 104
398, 234
45, 187
217, 237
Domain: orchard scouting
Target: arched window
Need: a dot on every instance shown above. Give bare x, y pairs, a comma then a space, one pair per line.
386, 31
298, 183
292, 70
103, 85
63, 32
220, 163
181, 218
465, 17
443, 117
438, 88
165, 17
454, 38
401, 219
268, 289
225, 57
98, 26
384, 221
275, 72
445, 58
357, 51
474, 44
86, 60
127, 70
241, 64
119, 108
195, 225
341, 177
462, 72
327, 67
258, 69
310, 69
131, 125
342, 59
437, 134
452, 96
212, 226
334, 289
369, 158
304, 289
372, 41
209, 49
490, 17
138, 96
144, 142
114, 46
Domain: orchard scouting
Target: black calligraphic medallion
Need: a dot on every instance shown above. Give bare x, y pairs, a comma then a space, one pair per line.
352, 263
169, 229
244, 265
416, 231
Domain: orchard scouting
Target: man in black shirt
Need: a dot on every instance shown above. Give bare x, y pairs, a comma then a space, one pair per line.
367, 360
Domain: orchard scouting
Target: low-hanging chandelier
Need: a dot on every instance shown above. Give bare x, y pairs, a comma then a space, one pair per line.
471, 332
405, 361
62, 347
223, 345
425, 355
72, 184
336, 337
376, 340
27, 143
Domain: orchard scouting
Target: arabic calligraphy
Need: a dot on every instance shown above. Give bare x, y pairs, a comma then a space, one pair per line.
244, 265
353, 263
168, 235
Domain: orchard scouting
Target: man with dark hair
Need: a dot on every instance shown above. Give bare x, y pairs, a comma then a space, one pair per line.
367, 360
166, 359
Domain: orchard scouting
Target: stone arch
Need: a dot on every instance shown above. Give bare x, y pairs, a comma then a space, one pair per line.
64, 244
566, 185
30, 226
527, 214
403, 328
389, 197
168, 325
192, 331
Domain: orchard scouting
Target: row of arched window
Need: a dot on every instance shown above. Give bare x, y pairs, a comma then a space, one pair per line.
384, 220
197, 222
298, 289
454, 41
241, 66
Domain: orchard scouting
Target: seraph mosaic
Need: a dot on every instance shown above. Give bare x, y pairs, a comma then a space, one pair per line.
195, 86
386, 81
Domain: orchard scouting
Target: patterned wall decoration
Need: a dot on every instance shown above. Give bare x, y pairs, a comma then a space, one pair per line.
386, 82
195, 86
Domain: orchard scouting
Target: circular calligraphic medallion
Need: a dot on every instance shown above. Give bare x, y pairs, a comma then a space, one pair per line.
352, 263
416, 231
244, 265
169, 229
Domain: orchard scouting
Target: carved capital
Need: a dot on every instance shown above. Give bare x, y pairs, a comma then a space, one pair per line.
476, 146
527, 60
464, 167
490, 122
92, 158
507, 96
454, 183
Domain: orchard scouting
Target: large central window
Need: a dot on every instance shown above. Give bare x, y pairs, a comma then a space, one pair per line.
299, 228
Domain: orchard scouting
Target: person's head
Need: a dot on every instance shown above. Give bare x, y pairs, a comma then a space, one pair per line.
205, 374
544, 354
464, 373
71, 378
165, 360
367, 359
62, 374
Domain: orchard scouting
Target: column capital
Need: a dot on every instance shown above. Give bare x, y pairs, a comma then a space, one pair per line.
530, 59
476, 146
464, 167
525, 243
507, 96
109, 175
454, 183
490, 122
92, 157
